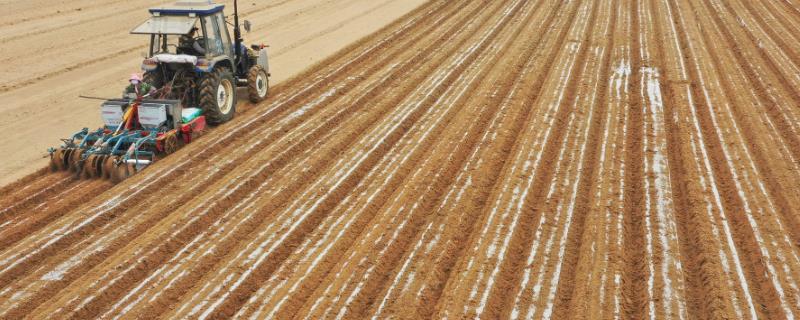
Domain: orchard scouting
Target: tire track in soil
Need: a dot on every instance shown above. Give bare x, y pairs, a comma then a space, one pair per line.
330, 29
164, 173
182, 287
775, 189
378, 62
440, 87
512, 264
587, 180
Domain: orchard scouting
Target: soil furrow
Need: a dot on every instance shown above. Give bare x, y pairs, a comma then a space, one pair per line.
265, 116
441, 176
284, 100
442, 260
789, 19
785, 128
28, 194
10, 190
40, 214
750, 51
515, 159
164, 173
781, 43
286, 192
340, 194
787, 8
706, 294
584, 198
512, 264
488, 234
634, 293
330, 122
734, 208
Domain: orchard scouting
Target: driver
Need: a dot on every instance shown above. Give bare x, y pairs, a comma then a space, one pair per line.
189, 43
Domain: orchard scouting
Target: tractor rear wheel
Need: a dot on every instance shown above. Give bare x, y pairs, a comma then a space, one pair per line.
257, 84
218, 96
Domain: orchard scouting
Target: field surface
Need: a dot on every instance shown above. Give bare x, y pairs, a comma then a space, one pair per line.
494, 159
55, 50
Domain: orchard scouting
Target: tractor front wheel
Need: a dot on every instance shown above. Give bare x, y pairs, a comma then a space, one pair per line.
257, 84
218, 96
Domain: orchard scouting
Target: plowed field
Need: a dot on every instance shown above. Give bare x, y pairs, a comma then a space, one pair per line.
520, 158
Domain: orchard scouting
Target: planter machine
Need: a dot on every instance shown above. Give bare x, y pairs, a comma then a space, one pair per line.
193, 89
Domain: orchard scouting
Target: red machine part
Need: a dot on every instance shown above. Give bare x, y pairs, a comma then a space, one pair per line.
193, 129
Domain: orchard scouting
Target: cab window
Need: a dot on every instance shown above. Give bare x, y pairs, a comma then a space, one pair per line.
226, 38
214, 44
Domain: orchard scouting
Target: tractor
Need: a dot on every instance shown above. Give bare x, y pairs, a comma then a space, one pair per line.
203, 68
195, 68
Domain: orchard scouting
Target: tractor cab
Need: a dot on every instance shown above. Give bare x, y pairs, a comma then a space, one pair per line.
194, 58
175, 29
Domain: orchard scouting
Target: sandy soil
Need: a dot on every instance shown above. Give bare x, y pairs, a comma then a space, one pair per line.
54, 51
475, 159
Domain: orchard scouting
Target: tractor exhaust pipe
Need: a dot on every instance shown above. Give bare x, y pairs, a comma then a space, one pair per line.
237, 35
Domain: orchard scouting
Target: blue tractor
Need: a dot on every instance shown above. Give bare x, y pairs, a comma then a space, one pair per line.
194, 68
193, 58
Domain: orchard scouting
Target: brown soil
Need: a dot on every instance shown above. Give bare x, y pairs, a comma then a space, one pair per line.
492, 159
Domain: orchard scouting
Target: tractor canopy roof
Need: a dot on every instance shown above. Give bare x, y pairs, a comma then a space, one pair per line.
189, 7
177, 18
